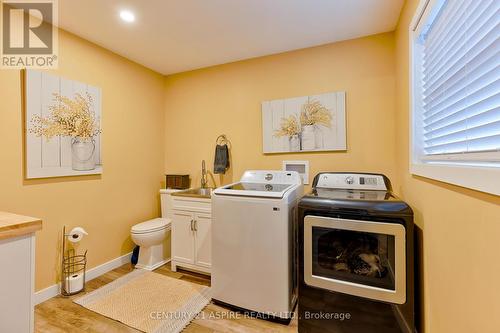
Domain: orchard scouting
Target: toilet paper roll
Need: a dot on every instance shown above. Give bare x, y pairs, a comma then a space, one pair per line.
74, 283
76, 234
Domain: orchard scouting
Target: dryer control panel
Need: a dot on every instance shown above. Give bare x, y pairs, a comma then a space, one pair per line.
351, 181
271, 177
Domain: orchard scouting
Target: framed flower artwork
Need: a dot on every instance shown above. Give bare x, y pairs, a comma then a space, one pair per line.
62, 126
304, 124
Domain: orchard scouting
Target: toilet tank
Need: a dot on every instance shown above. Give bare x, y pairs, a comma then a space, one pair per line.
166, 202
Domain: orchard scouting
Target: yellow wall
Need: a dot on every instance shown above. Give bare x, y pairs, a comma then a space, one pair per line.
132, 149
204, 103
460, 229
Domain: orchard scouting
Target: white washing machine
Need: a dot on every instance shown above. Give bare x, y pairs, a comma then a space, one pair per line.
253, 263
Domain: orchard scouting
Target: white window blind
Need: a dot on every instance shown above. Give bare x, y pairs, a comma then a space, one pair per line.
457, 90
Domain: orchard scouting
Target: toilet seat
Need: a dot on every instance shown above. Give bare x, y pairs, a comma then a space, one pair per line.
151, 226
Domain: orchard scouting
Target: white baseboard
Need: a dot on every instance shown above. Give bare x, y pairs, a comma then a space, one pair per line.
54, 290
153, 267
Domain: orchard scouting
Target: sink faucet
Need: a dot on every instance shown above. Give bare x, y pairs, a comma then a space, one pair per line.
204, 181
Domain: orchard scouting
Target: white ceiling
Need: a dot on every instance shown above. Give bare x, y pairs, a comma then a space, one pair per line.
171, 36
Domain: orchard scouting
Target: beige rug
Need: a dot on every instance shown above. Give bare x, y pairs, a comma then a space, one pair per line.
149, 302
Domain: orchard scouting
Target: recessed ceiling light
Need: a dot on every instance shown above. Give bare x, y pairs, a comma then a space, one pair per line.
127, 16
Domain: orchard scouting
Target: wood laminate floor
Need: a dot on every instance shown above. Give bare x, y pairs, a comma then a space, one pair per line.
60, 314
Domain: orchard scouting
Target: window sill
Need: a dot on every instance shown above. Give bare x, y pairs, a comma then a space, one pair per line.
482, 179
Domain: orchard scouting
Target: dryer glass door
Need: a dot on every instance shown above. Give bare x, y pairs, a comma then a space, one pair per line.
361, 258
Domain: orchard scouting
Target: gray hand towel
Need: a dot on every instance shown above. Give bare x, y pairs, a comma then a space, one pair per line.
221, 163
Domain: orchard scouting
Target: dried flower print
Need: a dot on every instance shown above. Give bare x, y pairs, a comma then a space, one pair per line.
67, 117
289, 127
314, 113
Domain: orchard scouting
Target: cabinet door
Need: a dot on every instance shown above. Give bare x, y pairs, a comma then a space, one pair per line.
203, 240
182, 237
16, 284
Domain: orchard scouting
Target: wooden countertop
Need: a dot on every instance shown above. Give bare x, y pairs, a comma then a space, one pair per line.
13, 225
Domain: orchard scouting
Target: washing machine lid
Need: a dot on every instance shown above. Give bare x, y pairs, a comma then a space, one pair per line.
271, 177
254, 190
151, 225
262, 183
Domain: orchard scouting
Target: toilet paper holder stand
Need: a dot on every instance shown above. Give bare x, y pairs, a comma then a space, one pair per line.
73, 268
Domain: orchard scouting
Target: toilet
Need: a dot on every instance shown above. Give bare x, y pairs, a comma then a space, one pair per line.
152, 236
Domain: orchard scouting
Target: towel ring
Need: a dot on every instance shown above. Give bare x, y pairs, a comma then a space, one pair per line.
222, 139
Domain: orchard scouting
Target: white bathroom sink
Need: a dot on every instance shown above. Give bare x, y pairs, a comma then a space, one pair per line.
195, 193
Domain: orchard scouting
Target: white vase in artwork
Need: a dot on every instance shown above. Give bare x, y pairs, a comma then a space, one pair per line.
82, 154
294, 142
308, 137
318, 137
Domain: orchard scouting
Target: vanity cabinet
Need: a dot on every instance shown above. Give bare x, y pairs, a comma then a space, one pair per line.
191, 234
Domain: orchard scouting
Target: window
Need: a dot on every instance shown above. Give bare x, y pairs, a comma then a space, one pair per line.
455, 92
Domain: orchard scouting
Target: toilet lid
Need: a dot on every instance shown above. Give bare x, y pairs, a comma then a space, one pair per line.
151, 225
